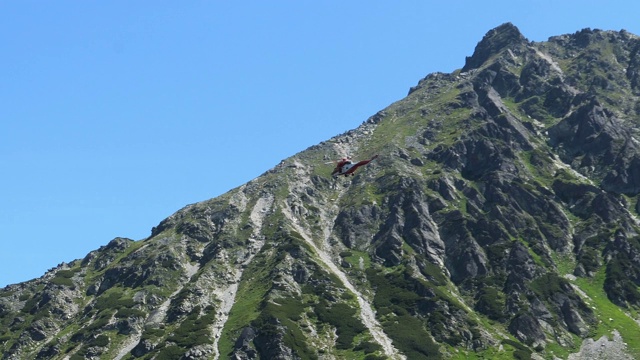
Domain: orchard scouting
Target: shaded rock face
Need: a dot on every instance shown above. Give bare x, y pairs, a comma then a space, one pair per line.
593, 140
526, 329
270, 343
243, 348
142, 348
623, 275
500, 190
357, 224
408, 220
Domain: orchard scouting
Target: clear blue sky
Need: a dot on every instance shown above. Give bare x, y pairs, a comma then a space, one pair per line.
116, 114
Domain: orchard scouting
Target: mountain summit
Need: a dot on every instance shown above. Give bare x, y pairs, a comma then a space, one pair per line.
504, 37
499, 221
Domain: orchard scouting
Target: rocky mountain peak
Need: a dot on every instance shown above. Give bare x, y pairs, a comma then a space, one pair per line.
503, 37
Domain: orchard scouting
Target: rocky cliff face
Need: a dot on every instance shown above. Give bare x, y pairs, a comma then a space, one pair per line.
500, 220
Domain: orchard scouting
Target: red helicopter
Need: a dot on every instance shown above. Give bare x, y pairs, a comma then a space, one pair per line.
346, 167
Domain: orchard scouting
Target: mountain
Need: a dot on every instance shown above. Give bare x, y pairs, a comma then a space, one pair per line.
500, 221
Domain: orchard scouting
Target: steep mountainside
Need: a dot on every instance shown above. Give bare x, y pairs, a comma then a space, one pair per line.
500, 221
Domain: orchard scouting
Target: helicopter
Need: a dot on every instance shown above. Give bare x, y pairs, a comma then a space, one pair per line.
346, 167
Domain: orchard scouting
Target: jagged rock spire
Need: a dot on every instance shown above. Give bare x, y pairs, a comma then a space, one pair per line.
493, 42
